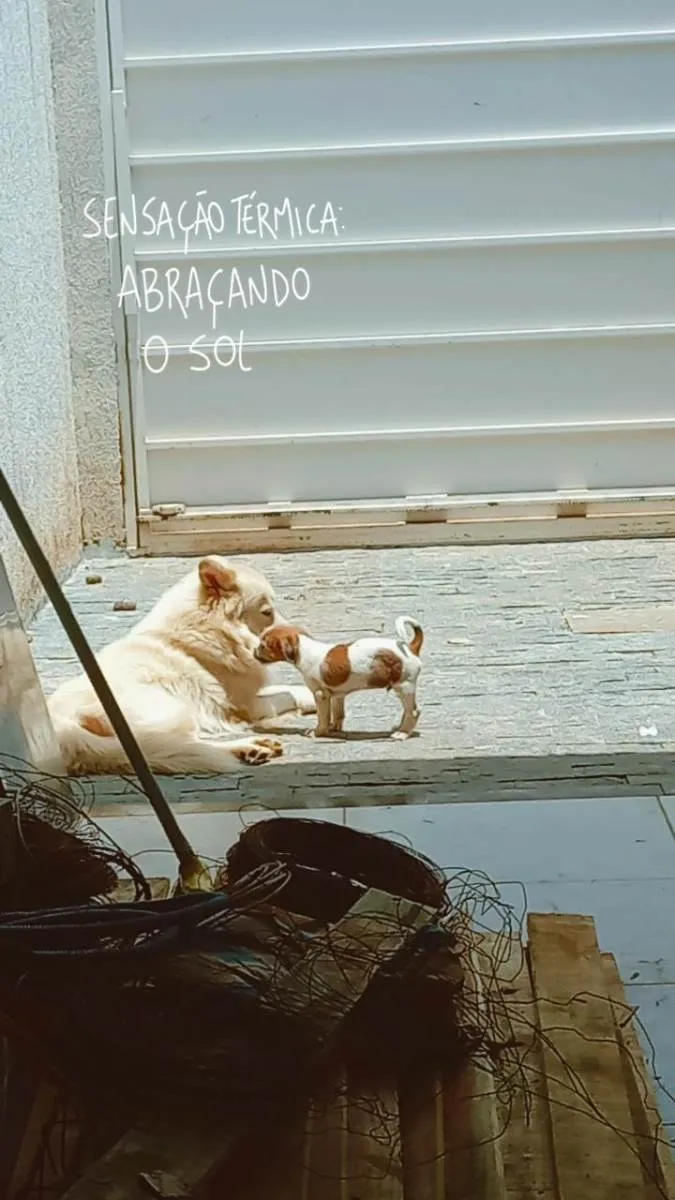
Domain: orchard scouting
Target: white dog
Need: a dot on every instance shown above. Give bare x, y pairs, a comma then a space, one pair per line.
186, 679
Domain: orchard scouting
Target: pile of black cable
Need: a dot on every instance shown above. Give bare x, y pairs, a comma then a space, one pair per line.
162, 1001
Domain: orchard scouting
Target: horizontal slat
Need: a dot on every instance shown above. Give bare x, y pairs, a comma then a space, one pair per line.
459, 384
451, 288
172, 27
157, 539
392, 341
404, 98
505, 506
579, 139
531, 189
387, 49
320, 473
343, 438
281, 253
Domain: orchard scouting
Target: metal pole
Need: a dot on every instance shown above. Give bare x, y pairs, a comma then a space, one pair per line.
191, 867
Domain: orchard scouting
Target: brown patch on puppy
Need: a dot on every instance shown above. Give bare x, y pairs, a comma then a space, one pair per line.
336, 667
280, 643
100, 726
418, 640
217, 580
387, 669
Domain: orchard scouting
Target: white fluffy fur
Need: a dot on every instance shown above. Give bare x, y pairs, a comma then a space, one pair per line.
187, 681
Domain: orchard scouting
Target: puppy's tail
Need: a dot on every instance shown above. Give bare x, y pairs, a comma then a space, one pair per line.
410, 633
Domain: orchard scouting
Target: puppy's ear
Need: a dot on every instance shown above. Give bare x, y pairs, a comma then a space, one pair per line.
290, 645
217, 580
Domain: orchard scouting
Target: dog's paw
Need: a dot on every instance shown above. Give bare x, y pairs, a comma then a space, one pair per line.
319, 733
399, 735
272, 744
260, 751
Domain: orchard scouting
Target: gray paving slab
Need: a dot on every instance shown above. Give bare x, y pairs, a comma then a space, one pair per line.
561, 841
513, 702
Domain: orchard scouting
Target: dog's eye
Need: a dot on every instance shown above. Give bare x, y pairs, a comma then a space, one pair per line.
267, 611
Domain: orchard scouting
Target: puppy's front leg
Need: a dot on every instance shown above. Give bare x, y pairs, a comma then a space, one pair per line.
337, 713
323, 708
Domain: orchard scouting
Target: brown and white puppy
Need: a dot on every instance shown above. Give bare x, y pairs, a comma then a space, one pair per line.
333, 671
187, 680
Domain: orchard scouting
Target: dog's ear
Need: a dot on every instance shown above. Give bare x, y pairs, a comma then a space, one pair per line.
216, 579
290, 645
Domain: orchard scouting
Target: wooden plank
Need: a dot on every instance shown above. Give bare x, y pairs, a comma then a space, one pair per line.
154, 540
21, 1085
653, 618
436, 1149
374, 1167
487, 1132
505, 506
45, 1107
458, 1091
176, 1157
581, 1054
421, 1107
457, 1115
527, 1145
326, 1137
655, 1149
335, 972
486, 1124
547, 517
42, 1119
270, 1164
125, 892
63, 1144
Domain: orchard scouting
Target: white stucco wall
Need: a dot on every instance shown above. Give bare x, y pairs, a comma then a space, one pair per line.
37, 439
76, 80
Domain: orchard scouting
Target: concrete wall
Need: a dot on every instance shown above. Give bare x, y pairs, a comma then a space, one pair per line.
93, 361
37, 438
59, 439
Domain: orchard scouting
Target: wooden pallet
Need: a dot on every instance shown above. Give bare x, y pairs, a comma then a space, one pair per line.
445, 1137
569, 1014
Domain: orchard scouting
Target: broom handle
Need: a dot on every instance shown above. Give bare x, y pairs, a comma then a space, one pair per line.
177, 839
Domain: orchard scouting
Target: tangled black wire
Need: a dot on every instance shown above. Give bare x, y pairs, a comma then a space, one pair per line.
179, 924
212, 1002
61, 855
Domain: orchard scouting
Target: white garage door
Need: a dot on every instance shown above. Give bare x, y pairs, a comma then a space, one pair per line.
397, 254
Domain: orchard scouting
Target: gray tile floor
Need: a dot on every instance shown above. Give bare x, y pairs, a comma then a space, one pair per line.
613, 859
513, 701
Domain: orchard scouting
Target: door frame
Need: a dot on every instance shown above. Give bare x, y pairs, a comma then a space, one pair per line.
117, 182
